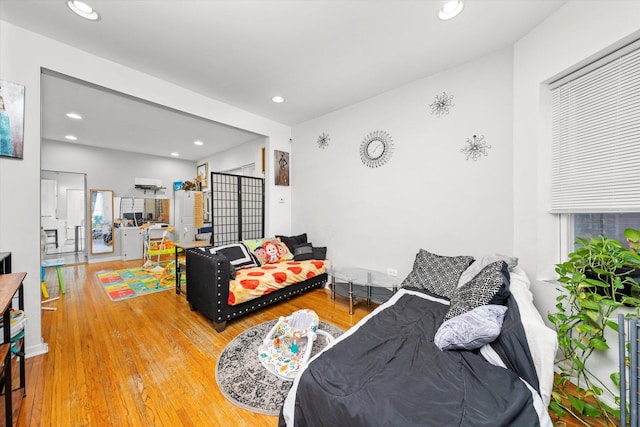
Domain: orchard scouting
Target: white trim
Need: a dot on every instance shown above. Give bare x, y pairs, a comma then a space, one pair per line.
36, 350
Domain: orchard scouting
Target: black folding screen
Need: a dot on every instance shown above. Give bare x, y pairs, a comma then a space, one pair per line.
237, 208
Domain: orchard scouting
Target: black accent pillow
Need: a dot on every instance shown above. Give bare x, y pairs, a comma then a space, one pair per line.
303, 252
436, 273
490, 286
292, 241
320, 252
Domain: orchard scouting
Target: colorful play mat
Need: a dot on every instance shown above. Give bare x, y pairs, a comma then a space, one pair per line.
133, 282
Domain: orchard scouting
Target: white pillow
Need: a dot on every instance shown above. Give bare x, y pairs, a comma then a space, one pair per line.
472, 329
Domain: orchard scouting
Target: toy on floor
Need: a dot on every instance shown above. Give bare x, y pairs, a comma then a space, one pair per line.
287, 346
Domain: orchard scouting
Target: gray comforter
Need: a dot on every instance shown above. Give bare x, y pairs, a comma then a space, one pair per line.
390, 373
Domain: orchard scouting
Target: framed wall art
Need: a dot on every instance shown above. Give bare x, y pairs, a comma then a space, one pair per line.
202, 172
281, 167
11, 119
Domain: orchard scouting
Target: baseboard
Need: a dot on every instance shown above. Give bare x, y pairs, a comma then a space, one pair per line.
36, 350
105, 259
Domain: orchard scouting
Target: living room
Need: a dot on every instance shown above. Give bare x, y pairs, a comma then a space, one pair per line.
426, 196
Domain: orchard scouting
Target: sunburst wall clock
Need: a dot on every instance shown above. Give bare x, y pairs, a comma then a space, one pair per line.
376, 149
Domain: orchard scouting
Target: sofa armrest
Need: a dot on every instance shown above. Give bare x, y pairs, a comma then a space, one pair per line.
208, 283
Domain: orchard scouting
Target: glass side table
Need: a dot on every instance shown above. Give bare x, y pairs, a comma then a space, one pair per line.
360, 277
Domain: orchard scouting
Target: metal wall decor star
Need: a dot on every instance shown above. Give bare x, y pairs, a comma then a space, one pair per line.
475, 148
441, 104
323, 140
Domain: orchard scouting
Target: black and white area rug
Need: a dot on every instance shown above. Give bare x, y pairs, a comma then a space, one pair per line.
245, 382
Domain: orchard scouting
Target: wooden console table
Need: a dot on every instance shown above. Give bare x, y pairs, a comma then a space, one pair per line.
10, 284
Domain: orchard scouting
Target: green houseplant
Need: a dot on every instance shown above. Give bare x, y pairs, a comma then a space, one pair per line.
598, 278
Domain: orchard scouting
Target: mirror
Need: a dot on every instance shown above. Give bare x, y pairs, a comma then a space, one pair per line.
101, 211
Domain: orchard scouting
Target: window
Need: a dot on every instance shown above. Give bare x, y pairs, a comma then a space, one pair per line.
595, 118
611, 225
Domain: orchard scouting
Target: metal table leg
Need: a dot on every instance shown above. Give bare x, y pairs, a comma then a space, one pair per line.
350, 288
177, 271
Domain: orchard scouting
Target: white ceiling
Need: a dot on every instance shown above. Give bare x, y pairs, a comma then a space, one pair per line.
321, 55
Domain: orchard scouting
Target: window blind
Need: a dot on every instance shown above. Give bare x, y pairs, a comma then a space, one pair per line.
595, 119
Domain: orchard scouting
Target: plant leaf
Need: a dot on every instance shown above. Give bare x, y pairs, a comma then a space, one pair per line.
589, 305
612, 325
576, 403
591, 411
584, 328
615, 377
598, 344
557, 409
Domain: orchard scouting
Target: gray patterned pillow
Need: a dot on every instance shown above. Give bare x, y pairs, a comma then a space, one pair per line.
472, 329
436, 273
490, 286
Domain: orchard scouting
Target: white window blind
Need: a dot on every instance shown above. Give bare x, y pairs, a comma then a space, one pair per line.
595, 161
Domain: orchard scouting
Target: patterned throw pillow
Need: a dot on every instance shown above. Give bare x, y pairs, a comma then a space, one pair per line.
276, 251
436, 273
490, 286
237, 254
255, 247
472, 329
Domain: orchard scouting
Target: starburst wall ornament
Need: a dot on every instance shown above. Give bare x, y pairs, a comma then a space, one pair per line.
441, 104
475, 148
323, 140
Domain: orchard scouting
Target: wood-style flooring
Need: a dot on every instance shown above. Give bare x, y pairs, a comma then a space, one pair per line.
146, 361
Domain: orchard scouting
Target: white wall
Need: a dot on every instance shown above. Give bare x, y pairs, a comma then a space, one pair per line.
22, 55
427, 196
249, 152
578, 32
114, 170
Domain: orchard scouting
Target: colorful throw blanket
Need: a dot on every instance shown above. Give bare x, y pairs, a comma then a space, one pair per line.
254, 282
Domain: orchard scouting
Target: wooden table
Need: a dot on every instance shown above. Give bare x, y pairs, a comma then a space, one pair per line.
10, 284
184, 246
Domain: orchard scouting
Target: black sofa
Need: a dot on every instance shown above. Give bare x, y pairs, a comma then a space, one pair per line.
208, 289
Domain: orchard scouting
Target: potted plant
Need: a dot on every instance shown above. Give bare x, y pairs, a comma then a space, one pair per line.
598, 278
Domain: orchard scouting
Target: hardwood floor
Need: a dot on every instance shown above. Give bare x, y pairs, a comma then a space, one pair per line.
143, 361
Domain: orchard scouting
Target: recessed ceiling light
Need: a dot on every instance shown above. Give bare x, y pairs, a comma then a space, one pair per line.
74, 116
198, 142
71, 137
83, 10
450, 9
277, 99
174, 154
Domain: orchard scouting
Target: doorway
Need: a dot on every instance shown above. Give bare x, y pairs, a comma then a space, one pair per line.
62, 215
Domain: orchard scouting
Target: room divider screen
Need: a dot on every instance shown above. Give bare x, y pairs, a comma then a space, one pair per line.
237, 208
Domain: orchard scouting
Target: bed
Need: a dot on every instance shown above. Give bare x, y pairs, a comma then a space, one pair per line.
389, 369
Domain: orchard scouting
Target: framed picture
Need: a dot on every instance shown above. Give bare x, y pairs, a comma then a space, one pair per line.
11, 119
202, 172
262, 158
281, 167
